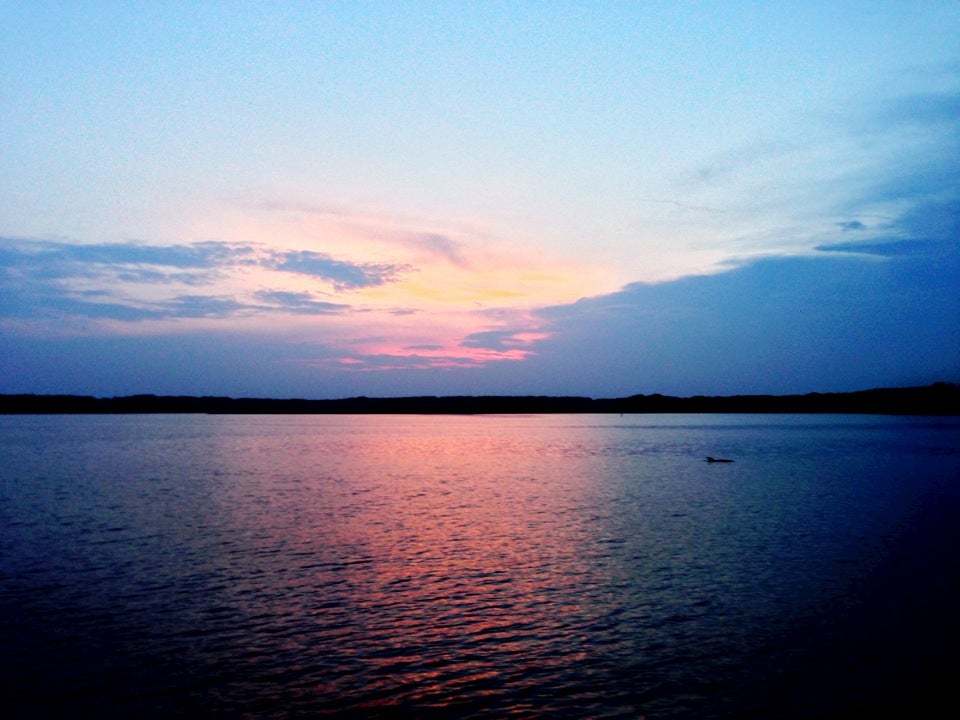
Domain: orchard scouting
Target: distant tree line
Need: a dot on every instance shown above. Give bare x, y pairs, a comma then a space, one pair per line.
937, 399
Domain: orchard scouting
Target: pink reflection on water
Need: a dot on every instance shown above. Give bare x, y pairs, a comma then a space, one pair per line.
440, 554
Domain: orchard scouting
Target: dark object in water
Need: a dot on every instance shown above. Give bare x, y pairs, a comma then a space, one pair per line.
710, 459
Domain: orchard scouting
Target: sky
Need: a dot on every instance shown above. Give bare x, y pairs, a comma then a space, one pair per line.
335, 199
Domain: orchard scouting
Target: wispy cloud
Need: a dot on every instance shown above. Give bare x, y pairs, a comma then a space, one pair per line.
133, 282
849, 225
421, 235
860, 170
66, 289
404, 362
129, 261
785, 324
300, 302
881, 249
40, 303
925, 108
502, 341
343, 275
439, 245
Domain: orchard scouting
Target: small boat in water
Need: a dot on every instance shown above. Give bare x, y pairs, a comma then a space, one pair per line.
712, 459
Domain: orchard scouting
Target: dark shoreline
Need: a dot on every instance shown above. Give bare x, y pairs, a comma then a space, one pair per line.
936, 399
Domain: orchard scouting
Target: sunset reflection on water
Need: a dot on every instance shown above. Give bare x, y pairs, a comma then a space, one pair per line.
453, 555
473, 566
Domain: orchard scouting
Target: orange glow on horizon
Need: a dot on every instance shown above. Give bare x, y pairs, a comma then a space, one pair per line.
367, 290
432, 312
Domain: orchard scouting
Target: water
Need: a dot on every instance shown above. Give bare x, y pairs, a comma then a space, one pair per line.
536, 566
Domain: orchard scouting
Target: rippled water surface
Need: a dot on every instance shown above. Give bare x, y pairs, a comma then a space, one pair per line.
536, 566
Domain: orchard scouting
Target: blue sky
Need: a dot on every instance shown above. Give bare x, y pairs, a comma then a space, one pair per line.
333, 199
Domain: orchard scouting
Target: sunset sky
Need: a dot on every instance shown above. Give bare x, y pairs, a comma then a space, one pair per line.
403, 198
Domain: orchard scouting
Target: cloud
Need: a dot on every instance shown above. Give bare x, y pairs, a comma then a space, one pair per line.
138, 263
60, 259
381, 227
66, 306
870, 215
882, 311
778, 325
851, 225
58, 289
861, 171
133, 282
882, 249
343, 275
27, 307
497, 340
300, 302
52, 277
682, 205
439, 245
928, 108
189, 362
389, 362
202, 306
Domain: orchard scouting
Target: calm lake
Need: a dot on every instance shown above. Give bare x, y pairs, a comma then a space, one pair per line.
563, 566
